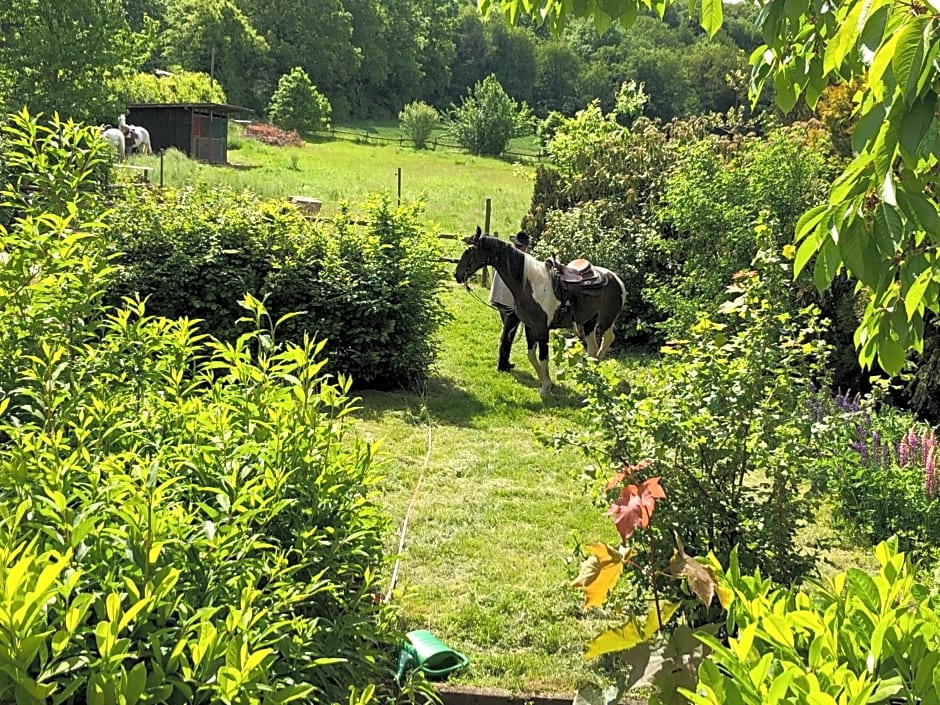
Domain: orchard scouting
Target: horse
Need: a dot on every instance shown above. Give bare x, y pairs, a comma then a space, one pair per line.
141, 139
115, 137
136, 136
548, 295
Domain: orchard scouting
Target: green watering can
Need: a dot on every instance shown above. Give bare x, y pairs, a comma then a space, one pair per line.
425, 651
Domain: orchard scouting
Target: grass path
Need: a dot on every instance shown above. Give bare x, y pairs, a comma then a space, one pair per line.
486, 559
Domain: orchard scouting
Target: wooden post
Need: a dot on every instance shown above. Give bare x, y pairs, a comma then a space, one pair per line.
399, 186
484, 273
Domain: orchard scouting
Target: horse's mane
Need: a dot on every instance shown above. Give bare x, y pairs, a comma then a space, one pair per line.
506, 253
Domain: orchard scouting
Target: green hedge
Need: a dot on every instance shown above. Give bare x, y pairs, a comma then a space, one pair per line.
370, 292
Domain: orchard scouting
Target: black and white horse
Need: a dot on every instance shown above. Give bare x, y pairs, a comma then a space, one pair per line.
548, 295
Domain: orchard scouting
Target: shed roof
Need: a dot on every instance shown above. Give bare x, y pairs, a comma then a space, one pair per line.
214, 107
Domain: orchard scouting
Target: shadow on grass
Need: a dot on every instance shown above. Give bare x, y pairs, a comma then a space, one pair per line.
445, 402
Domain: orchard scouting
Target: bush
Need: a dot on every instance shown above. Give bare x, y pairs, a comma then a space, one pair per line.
418, 120
855, 638
298, 105
725, 419
485, 121
181, 520
179, 87
371, 294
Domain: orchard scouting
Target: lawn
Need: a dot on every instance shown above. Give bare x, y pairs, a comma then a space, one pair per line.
453, 186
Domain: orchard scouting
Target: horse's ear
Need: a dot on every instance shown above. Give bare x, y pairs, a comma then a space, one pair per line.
477, 234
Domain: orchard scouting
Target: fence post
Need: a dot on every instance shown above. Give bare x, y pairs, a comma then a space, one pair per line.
484, 276
399, 186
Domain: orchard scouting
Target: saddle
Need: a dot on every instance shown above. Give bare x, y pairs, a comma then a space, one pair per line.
578, 276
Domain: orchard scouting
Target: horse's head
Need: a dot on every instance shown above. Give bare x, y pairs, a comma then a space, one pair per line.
472, 259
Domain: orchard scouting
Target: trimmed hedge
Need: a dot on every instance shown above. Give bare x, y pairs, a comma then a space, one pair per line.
370, 292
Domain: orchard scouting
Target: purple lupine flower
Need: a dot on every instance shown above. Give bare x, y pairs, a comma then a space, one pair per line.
860, 447
930, 473
928, 443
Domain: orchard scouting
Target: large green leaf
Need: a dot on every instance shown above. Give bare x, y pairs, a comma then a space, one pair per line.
712, 16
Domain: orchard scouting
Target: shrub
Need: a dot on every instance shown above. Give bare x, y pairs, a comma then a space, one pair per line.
371, 294
179, 87
418, 120
484, 122
298, 105
181, 520
854, 638
725, 419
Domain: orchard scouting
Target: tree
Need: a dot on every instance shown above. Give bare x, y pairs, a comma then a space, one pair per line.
317, 36
297, 104
61, 56
214, 36
881, 220
485, 121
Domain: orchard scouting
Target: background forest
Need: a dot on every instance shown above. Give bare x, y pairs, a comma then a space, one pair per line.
87, 59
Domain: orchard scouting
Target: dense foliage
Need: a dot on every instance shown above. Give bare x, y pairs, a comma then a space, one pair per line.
853, 638
181, 520
485, 120
298, 105
724, 417
370, 292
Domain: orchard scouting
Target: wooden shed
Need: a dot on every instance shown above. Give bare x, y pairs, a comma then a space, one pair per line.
198, 129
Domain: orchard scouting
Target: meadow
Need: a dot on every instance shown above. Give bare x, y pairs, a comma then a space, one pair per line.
490, 519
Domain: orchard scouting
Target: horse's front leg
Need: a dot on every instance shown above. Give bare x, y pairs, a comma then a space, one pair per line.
538, 356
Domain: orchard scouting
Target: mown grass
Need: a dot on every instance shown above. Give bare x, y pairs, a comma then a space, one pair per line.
489, 546
497, 515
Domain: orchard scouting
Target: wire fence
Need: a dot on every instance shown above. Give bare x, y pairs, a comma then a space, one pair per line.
402, 141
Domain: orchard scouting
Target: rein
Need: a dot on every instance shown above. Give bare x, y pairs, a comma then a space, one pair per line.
473, 295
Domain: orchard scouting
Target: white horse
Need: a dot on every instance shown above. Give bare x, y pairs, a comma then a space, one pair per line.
140, 141
115, 138
136, 136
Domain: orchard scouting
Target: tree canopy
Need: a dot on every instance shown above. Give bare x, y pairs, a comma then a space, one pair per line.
880, 221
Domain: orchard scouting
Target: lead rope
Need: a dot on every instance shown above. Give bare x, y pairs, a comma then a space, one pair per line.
411, 503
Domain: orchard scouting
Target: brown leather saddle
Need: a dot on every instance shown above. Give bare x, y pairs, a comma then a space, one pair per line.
576, 277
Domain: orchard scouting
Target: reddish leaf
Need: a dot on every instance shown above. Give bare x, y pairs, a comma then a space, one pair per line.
628, 471
635, 506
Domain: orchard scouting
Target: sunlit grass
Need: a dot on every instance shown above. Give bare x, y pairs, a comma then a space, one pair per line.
453, 186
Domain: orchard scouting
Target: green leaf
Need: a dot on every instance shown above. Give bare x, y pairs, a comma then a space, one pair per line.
917, 208
907, 62
785, 89
868, 126
879, 65
844, 40
136, 682
891, 353
914, 299
712, 16
915, 124
827, 264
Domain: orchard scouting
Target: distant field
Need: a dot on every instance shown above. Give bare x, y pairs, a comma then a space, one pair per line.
452, 185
